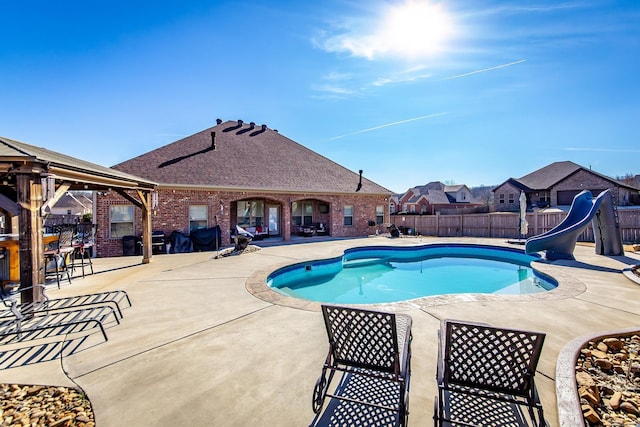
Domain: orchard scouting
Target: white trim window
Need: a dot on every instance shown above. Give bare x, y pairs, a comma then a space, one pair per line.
348, 215
198, 217
379, 214
121, 221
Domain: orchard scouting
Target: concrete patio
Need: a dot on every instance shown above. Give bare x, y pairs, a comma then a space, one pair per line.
198, 348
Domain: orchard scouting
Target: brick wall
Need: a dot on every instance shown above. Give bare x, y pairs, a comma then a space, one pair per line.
172, 213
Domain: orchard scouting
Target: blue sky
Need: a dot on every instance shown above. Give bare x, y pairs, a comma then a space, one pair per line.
462, 91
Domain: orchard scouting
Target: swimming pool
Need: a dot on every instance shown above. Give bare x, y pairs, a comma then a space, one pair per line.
382, 274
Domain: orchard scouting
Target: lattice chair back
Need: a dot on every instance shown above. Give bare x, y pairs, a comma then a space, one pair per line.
85, 233
362, 338
493, 359
65, 238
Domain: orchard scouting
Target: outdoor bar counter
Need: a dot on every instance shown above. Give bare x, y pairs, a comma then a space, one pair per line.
10, 256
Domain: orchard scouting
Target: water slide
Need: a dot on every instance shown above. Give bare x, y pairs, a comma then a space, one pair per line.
560, 241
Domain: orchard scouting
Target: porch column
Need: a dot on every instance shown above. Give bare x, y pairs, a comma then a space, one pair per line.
29, 198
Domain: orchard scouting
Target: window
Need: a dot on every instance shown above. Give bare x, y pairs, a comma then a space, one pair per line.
512, 198
379, 214
348, 215
413, 209
198, 217
250, 213
121, 220
302, 213
392, 208
501, 198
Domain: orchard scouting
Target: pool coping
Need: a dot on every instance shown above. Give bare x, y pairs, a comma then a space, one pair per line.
568, 287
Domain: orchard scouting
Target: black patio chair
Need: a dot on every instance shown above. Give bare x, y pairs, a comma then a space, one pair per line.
58, 257
372, 350
485, 376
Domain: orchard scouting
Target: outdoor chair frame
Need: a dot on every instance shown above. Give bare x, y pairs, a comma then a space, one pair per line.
83, 242
10, 298
485, 376
44, 324
60, 254
372, 347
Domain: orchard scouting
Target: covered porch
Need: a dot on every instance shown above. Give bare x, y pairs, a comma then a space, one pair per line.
33, 179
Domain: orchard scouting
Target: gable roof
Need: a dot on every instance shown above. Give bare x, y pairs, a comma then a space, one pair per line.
236, 155
61, 166
548, 176
434, 192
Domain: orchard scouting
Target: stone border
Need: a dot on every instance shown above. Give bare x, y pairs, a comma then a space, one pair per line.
629, 274
568, 287
569, 408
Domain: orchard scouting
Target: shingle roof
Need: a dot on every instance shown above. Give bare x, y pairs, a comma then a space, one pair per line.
249, 157
549, 175
11, 150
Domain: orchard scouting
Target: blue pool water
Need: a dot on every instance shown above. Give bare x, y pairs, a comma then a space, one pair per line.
382, 274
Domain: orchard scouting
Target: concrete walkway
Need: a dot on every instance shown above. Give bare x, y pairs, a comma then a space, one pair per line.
197, 348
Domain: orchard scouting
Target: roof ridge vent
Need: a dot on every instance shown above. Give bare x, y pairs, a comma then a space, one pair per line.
262, 129
218, 121
230, 128
252, 125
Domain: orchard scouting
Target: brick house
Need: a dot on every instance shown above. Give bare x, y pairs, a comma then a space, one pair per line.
429, 198
556, 185
238, 173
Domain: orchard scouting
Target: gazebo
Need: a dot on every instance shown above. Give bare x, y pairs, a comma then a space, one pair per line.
32, 179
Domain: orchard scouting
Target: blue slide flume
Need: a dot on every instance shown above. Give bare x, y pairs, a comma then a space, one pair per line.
560, 242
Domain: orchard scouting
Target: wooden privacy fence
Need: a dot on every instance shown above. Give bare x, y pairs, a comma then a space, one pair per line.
506, 224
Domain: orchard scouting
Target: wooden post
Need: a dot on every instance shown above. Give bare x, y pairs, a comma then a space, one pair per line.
29, 197
145, 197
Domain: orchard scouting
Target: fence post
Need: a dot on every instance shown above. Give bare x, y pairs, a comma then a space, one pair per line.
438, 224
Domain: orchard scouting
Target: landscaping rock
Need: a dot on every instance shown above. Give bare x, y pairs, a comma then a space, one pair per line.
608, 380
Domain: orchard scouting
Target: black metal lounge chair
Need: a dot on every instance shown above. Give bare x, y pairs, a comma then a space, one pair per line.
10, 298
485, 376
372, 350
45, 324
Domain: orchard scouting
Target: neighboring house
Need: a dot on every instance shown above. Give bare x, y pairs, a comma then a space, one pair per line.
556, 185
70, 208
432, 197
238, 173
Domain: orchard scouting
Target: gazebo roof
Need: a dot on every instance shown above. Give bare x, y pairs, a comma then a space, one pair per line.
78, 173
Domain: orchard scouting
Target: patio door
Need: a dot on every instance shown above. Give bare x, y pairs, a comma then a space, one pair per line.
273, 215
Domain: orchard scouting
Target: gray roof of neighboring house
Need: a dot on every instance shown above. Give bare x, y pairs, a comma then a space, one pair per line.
548, 176
246, 157
435, 192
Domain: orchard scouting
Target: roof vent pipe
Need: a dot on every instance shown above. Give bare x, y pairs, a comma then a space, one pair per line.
218, 121
264, 127
213, 140
240, 122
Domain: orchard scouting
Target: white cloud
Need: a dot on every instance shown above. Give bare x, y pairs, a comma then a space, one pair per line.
412, 29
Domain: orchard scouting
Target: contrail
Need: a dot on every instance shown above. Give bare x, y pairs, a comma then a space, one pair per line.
484, 70
605, 150
388, 124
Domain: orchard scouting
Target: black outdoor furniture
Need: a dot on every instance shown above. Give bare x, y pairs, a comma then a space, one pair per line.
372, 351
57, 258
11, 299
485, 376
83, 242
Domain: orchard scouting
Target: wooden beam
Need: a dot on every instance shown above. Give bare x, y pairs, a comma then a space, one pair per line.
60, 191
8, 205
136, 203
146, 226
29, 190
